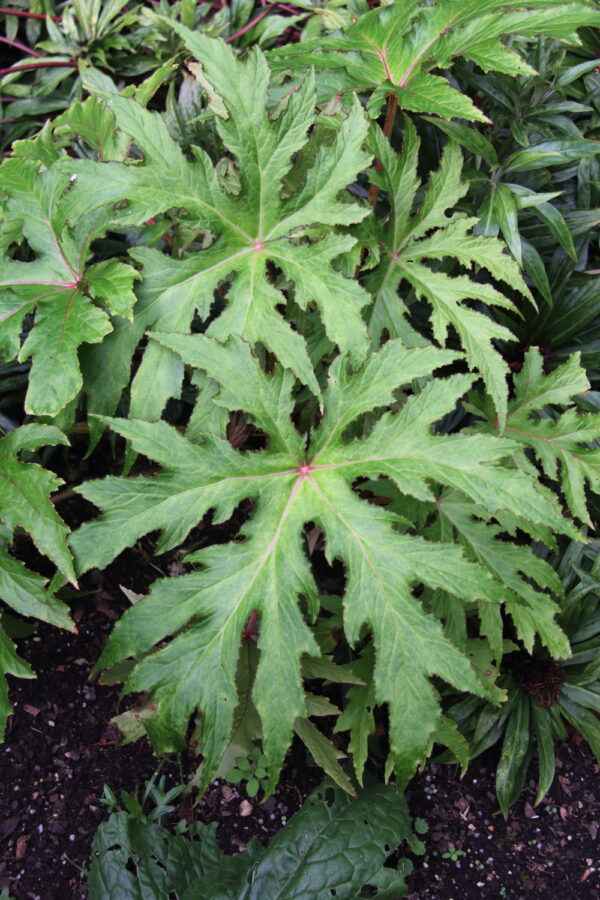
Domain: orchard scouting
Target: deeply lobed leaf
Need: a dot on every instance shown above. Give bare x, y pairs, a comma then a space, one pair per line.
392, 50
258, 227
55, 284
267, 570
565, 445
416, 243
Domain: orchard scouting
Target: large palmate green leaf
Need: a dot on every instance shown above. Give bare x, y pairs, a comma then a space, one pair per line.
267, 570
418, 241
24, 503
250, 229
564, 444
393, 50
71, 302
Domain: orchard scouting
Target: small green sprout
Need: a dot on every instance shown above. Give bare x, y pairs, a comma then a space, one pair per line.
252, 770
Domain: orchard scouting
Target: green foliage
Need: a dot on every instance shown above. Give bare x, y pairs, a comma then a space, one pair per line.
72, 302
544, 696
431, 234
154, 806
252, 230
24, 503
308, 858
268, 570
386, 388
392, 51
533, 175
72, 48
565, 441
252, 770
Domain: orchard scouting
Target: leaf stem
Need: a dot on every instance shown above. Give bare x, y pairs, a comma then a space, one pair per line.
388, 126
39, 65
20, 46
249, 629
248, 25
26, 15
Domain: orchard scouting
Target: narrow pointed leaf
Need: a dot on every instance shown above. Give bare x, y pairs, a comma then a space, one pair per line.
545, 746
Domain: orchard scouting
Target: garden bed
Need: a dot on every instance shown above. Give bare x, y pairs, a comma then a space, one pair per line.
61, 750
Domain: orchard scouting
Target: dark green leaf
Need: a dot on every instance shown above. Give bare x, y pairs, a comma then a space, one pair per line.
550, 153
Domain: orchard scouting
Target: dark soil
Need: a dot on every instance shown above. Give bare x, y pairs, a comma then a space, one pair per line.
549, 851
61, 750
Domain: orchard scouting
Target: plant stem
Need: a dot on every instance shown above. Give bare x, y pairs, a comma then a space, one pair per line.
249, 629
20, 46
26, 15
387, 130
249, 25
40, 65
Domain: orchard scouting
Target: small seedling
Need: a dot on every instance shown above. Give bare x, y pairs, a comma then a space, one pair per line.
155, 804
420, 826
453, 853
252, 770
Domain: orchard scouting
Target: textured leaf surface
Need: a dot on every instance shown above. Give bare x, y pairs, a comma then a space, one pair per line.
531, 586
54, 284
267, 570
308, 860
564, 445
395, 48
250, 230
418, 240
24, 498
24, 502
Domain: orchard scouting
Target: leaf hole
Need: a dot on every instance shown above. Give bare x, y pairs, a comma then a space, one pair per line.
329, 796
329, 575
243, 435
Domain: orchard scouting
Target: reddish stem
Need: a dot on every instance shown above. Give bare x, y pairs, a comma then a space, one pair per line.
250, 25
26, 15
20, 46
248, 632
387, 130
40, 65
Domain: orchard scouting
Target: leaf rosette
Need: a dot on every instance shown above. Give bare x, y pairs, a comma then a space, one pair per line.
201, 615
262, 225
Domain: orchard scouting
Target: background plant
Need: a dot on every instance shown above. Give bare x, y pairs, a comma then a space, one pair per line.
545, 697
317, 839
251, 770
